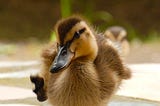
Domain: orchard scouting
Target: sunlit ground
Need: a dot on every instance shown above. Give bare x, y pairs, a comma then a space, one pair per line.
20, 51
140, 53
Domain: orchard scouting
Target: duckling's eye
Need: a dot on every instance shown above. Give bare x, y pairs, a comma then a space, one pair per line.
82, 30
78, 33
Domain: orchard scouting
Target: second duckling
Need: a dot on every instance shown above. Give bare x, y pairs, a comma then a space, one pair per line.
118, 36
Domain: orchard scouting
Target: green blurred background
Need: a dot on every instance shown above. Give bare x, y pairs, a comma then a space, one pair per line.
23, 20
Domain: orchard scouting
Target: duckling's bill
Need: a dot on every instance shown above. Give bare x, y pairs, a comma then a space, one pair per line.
63, 59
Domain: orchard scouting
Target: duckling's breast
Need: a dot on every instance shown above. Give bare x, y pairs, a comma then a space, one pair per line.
78, 85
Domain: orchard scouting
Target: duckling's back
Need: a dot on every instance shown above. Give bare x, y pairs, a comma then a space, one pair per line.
109, 68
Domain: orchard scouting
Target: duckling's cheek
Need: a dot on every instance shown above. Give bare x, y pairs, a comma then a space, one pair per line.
73, 47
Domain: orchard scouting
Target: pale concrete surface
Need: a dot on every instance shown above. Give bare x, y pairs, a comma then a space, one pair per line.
130, 104
16, 105
19, 74
8, 64
143, 84
9, 93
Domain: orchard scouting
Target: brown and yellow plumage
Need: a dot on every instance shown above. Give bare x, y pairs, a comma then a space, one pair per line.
89, 69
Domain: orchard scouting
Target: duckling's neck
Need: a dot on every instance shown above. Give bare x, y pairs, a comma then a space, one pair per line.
91, 52
84, 60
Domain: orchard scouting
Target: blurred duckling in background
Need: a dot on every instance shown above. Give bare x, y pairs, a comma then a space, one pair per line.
118, 35
80, 69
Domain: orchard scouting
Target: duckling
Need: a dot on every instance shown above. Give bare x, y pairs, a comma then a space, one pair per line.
81, 68
118, 35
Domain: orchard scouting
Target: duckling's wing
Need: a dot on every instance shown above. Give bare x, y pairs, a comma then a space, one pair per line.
48, 55
108, 59
49, 52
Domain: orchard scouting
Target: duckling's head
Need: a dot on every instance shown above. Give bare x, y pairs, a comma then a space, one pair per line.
116, 34
75, 40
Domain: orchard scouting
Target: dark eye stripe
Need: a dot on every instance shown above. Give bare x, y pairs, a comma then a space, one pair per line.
82, 30
78, 33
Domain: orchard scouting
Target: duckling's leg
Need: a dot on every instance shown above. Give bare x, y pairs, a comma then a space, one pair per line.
39, 87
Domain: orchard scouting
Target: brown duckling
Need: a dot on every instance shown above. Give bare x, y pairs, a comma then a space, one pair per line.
80, 69
118, 35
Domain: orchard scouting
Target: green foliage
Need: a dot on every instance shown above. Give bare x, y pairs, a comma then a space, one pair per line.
66, 8
53, 37
152, 36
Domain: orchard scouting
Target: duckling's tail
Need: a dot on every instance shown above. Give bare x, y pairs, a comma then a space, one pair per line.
126, 74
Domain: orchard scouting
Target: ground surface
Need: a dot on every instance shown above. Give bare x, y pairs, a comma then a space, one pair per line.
19, 90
